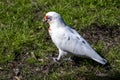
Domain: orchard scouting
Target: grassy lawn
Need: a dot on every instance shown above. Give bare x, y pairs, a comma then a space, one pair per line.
26, 48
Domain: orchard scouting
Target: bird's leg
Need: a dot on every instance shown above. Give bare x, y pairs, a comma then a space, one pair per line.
61, 54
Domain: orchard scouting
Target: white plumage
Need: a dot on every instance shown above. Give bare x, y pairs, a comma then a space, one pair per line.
68, 40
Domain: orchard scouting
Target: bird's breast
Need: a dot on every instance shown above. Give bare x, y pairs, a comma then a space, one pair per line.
56, 35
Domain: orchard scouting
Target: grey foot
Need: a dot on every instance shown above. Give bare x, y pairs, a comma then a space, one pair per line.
68, 59
55, 60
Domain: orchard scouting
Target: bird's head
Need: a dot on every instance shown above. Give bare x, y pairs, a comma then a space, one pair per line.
51, 17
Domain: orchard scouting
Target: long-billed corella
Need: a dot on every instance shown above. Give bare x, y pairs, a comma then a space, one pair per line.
68, 40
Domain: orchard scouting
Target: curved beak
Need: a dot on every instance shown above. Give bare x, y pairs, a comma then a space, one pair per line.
47, 19
44, 19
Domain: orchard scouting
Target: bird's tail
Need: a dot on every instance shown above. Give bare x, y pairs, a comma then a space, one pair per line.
95, 56
100, 60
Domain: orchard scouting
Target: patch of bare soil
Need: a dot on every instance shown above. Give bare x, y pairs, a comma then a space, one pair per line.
110, 35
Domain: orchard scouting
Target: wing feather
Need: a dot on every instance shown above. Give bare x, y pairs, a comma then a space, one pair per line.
76, 44
73, 42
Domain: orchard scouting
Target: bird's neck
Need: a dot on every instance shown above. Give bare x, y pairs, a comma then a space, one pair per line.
57, 24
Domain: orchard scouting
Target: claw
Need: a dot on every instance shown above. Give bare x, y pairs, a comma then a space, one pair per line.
55, 60
68, 59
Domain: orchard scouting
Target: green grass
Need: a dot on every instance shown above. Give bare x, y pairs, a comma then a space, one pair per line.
22, 32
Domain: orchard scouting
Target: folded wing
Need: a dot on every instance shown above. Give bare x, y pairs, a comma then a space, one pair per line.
77, 45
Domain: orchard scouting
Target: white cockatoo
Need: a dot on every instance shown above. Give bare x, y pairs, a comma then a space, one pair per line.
68, 40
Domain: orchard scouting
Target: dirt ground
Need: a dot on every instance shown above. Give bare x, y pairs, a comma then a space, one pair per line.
110, 35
